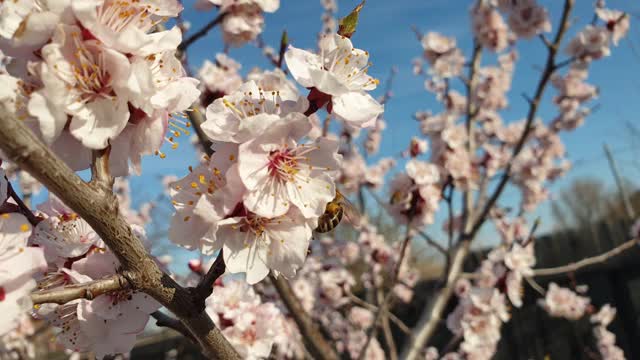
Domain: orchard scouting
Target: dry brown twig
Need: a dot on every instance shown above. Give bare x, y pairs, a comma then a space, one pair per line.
88, 291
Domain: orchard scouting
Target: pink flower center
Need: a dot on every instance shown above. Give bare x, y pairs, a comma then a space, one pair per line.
285, 164
3, 294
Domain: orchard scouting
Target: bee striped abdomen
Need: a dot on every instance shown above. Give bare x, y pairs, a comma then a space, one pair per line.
330, 219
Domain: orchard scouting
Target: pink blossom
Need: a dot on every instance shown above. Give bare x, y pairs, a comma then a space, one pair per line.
527, 18
617, 23
200, 204
360, 317
256, 245
592, 43
126, 26
85, 80
25, 25
562, 302
489, 28
244, 19
18, 265
221, 77
247, 112
339, 71
604, 316
279, 172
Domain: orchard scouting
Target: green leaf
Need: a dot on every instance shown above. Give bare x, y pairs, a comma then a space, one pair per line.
349, 23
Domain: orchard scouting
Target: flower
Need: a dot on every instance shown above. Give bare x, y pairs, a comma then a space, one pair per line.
617, 23
341, 72
250, 325
255, 245
247, 112
527, 18
18, 265
244, 19
200, 203
489, 28
604, 316
562, 302
125, 25
221, 78
86, 80
279, 172
591, 43
25, 25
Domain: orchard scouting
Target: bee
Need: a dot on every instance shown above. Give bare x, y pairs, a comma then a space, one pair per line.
335, 210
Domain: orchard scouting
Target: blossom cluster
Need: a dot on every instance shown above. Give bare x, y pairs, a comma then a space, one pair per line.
250, 325
259, 196
88, 74
482, 303
75, 254
243, 19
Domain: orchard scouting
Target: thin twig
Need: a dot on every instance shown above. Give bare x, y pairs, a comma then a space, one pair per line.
205, 287
24, 209
197, 119
100, 173
88, 291
579, 265
383, 306
535, 285
164, 320
396, 320
433, 243
200, 33
315, 343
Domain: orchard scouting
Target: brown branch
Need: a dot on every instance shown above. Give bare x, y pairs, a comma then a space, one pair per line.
201, 33
197, 119
205, 287
433, 243
284, 42
164, 320
100, 210
100, 174
24, 209
471, 112
89, 291
430, 319
315, 343
579, 265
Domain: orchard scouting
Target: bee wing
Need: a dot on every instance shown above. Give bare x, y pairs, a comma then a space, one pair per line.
350, 212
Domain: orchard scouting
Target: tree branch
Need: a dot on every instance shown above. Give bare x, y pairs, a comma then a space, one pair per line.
205, 287
197, 119
89, 291
100, 174
164, 320
24, 209
579, 265
101, 211
430, 319
311, 335
201, 33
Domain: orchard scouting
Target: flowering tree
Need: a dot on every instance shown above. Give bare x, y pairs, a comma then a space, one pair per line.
99, 84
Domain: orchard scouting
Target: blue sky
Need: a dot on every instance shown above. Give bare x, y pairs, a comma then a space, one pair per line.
384, 31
